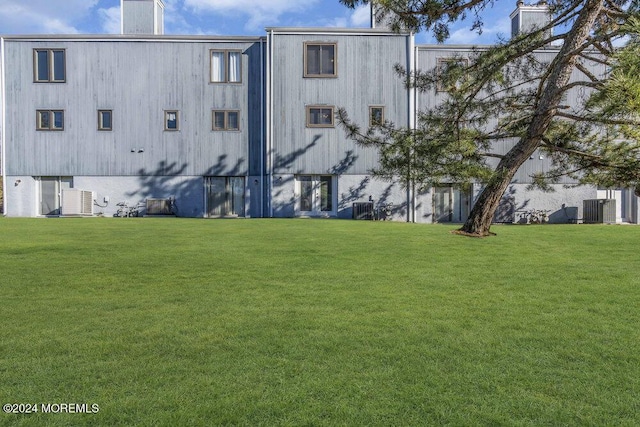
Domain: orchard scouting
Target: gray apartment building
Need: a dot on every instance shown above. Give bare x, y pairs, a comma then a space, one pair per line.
212, 126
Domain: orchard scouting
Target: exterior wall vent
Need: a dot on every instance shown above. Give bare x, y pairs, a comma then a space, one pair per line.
599, 211
76, 202
159, 207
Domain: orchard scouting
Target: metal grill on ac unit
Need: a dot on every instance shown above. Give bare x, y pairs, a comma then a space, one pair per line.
76, 202
599, 211
363, 210
159, 207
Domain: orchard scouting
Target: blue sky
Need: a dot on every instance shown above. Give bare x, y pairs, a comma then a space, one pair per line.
217, 17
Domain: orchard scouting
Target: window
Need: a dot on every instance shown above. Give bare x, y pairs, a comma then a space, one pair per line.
171, 120
50, 120
226, 120
320, 60
321, 117
226, 66
49, 65
376, 116
450, 73
104, 120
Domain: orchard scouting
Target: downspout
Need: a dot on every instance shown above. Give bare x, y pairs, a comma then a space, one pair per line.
411, 187
269, 103
262, 124
3, 133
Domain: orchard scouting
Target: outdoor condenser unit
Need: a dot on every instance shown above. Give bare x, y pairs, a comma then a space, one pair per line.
363, 210
159, 207
599, 211
76, 202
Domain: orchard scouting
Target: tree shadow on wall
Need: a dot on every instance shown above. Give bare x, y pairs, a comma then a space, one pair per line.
168, 181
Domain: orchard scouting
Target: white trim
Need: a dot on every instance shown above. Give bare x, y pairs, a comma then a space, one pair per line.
411, 67
262, 124
270, 106
3, 132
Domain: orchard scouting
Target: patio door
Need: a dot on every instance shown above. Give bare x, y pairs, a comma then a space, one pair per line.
450, 204
224, 196
51, 191
315, 195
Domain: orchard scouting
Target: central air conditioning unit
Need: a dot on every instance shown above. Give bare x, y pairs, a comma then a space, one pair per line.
363, 210
76, 202
599, 211
159, 207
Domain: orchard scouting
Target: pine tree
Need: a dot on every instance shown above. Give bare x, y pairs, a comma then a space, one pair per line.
594, 143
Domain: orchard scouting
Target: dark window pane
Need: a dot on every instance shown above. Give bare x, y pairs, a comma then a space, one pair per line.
58, 119
327, 60
172, 120
43, 120
218, 120
313, 59
233, 121
42, 59
105, 120
58, 65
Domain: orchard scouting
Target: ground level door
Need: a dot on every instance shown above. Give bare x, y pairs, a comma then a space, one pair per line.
450, 204
315, 195
224, 196
51, 192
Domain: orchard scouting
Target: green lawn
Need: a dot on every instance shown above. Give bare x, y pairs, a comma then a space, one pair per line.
318, 322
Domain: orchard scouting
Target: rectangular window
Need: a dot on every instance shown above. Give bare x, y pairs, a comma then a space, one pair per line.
171, 120
321, 117
376, 116
320, 60
49, 65
226, 120
50, 120
105, 120
226, 66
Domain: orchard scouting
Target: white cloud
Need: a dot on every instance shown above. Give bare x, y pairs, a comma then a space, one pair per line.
43, 16
489, 34
259, 13
110, 19
361, 17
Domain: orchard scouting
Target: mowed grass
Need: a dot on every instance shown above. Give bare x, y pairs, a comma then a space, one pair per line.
318, 322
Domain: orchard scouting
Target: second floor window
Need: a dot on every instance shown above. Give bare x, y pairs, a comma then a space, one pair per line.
49, 66
226, 66
320, 60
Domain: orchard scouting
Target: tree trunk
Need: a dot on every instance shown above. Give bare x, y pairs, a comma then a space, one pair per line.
481, 216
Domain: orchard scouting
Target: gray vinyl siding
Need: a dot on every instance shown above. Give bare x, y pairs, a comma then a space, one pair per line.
138, 80
365, 77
